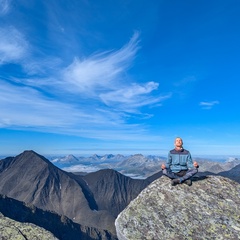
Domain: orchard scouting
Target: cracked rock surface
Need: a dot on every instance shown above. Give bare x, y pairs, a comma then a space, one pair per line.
209, 209
10, 229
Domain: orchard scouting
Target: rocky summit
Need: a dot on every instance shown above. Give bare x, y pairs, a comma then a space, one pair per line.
209, 209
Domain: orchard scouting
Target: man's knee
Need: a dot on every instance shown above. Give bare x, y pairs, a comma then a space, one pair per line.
192, 171
195, 170
164, 171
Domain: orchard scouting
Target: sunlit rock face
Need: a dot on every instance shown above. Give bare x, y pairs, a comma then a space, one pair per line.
209, 209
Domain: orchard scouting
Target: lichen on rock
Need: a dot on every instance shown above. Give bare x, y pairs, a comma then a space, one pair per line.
10, 229
209, 209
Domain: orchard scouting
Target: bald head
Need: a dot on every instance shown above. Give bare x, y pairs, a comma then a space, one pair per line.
178, 143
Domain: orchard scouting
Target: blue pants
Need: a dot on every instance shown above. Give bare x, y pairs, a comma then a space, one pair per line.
182, 175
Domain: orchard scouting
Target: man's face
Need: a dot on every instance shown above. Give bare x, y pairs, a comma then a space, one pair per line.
178, 142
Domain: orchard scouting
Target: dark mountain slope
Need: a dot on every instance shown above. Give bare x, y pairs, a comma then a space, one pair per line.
233, 174
31, 178
5, 163
112, 190
62, 227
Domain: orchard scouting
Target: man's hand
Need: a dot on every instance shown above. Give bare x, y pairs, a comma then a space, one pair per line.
195, 164
163, 166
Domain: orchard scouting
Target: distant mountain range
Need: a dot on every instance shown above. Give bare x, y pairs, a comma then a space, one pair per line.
135, 166
86, 202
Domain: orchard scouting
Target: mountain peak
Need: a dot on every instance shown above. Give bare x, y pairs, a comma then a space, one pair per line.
30, 153
209, 208
28, 159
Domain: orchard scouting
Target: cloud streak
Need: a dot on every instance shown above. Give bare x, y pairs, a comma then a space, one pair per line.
92, 97
25, 108
208, 105
130, 98
13, 46
101, 71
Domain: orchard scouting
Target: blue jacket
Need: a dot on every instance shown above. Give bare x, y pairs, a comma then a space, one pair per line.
179, 160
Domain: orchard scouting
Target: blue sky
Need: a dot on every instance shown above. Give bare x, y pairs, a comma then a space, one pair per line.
84, 77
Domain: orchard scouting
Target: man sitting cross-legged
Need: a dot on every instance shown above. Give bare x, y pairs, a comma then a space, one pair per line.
179, 166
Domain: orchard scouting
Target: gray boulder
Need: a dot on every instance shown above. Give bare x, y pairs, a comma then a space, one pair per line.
209, 209
10, 229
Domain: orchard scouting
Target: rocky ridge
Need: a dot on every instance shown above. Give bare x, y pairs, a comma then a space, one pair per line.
60, 226
10, 229
232, 174
209, 209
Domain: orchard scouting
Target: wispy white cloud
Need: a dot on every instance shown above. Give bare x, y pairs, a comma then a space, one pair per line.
90, 98
16, 48
103, 76
130, 98
4, 6
13, 46
26, 108
208, 105
101, 71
